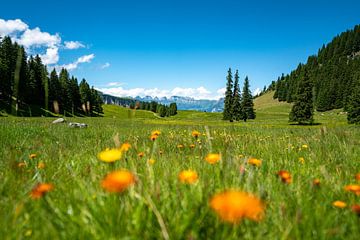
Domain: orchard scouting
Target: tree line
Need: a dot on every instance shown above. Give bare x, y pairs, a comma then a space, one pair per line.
238, 106
161, 109
334, 76
25, 83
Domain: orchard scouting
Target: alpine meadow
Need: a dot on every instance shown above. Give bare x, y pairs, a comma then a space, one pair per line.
190, 120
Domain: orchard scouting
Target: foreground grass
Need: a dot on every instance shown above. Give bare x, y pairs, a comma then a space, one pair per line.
159, 205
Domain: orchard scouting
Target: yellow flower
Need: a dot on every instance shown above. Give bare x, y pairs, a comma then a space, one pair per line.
232, 206
188, 176
254, 162
41, 165
192, 146
151, 161
110, 155
241, 156
195, 134
32, 156
339, 204
125, 147
305, 146
301, 160
118, 181
39, 190
141, 154
156, 132
180, 146
22, 164
213, 158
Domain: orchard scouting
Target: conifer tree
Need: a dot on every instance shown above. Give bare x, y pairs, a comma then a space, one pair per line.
237, 108
228, 103
303, 108
354, 103
247, 102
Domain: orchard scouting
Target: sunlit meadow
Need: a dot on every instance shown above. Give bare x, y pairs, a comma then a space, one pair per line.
131, 175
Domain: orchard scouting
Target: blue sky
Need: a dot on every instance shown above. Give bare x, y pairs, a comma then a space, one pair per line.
177, 47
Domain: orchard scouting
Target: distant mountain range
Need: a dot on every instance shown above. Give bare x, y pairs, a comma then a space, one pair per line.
183, 103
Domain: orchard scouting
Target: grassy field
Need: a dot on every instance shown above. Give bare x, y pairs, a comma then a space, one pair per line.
158, 205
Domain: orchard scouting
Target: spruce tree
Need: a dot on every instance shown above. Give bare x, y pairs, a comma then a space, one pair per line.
303, 109
228, 103
354, 104
237, 108
247, 102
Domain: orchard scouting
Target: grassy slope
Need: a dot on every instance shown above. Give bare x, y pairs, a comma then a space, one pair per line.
79, 209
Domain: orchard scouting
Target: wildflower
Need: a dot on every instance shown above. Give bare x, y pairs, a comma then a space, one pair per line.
156, 132
161, 152
339, 204
242, 170
353, 188
153, 137
22, 164
180, 146
241, 156
304, 146
188, 176
32, 156
125, 147
301, 160
41, 165
110, 155
357, 176
254, 162
356, 209
192, 146
40, 190
285, 176
195, 134
213, 158
118, 181
151, 161
232, 206
316, 182
141, 154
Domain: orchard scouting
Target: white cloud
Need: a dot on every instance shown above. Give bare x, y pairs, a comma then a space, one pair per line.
196, 93
36, 38
51, 56
112, 84
73, 45
11, 26
106, 65
256, 91
74, 65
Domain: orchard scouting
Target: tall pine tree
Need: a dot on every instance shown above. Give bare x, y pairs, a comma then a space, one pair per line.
237, 109
228, 103
247, 102
303, 109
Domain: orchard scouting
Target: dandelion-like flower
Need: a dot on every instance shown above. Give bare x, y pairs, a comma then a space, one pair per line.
180, 146
125, 147
151, 161
153, 137
188, 176
254, 162
192, 146
195, 134
156, 132
339, 204
110, 155
21, 164
118, 181
141, 154
41, 165
40, 190
357, 176
316, 182
32, 156
353, 188
285, 176
232, 206
305, 146
213, 158
356, 209
301, 160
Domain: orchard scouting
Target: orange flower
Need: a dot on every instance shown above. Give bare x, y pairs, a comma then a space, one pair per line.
141, 154
285, 176
195, 134
32, 156
339, 204
188, 176
192, 146
357, 176
213, 158
156, 132
125, 147
254, 162
41, 165
316, 182
353, 188
22, 164
153, 137
356, 209
118, 181
180, 146
232, 206
39, 190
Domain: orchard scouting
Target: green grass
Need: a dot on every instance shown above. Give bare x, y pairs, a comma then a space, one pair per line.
78, 208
